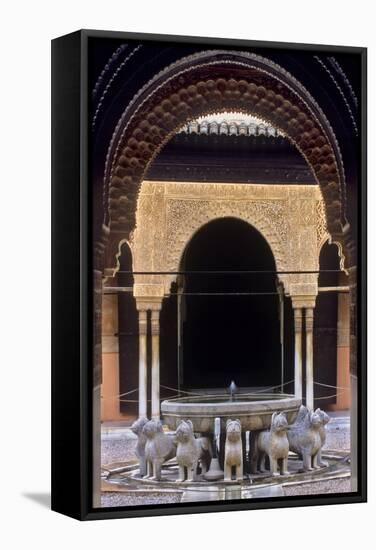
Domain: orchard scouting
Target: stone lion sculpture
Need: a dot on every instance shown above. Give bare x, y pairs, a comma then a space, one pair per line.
137, 429
191, 451
233, 450
273, 443
304, 438
324, 418
159, 448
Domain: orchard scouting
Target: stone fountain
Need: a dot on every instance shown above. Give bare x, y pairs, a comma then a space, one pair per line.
253, 410
207, 449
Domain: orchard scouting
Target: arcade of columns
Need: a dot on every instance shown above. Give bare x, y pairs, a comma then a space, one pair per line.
290, 217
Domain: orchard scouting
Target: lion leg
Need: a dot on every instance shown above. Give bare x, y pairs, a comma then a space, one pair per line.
228, 473
239, 472
285, 471
314, 462
149, 469
192, 472
321, 462
157, 468
262, 468
273, 466
142, 465
307, 462
181, 476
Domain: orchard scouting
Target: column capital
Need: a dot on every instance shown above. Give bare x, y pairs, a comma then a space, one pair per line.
300, 301
149, 303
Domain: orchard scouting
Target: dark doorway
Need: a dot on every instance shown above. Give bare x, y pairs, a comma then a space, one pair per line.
227, 336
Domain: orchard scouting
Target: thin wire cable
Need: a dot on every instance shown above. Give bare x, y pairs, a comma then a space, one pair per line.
334, 387
231, 272
330, 396
247, 394
119, 395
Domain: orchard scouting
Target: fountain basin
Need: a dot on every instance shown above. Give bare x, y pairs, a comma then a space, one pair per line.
254, 411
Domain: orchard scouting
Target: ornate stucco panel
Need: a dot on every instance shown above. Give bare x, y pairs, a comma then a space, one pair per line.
290, 218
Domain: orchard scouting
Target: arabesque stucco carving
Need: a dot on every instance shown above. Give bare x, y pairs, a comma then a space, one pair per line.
290, 217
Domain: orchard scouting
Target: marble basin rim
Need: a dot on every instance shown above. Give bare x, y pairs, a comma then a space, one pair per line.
253, 411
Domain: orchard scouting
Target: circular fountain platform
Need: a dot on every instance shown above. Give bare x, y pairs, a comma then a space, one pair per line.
253, 410
124, 478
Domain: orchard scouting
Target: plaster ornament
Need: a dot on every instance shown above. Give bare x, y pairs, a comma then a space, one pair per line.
233, 450
304, 438
191, 451
137, 429
168, 215
273, 443
159, 448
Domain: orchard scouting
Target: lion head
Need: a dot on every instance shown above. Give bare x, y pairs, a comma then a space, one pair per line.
315, 419
233, 430
184, 431
138, 425
151, 428
279, 422
325, 418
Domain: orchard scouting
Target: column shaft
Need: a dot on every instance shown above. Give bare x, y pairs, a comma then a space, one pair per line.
155, 383
142, 364
110, 404
298, 351
309, 357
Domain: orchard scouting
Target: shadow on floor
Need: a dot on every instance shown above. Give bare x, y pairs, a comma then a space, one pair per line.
43, 499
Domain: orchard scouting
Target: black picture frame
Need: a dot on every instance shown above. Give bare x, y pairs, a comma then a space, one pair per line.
72, 287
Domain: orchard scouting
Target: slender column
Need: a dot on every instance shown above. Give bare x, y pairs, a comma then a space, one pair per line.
179, 336
309, 357
298, 351
155, 412
281, 332
343, 347
142, 364
110, 404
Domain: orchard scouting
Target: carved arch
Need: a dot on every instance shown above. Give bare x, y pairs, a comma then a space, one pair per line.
252, 214
341, 254
187, 90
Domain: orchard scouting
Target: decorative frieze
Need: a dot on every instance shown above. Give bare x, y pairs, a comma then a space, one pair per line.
169, 214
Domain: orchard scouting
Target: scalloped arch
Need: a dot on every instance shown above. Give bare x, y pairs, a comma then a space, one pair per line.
216, 81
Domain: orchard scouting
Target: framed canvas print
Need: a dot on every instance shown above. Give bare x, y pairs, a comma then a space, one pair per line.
209, 282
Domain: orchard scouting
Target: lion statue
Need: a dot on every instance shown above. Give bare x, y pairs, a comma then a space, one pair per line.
304, 438
324, 418
273, 443
159, 448
233, 450
137, 429
191, 451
